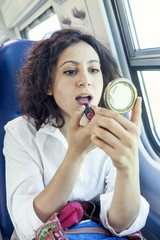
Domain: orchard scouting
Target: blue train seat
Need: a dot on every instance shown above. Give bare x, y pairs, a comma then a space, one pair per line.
11, 59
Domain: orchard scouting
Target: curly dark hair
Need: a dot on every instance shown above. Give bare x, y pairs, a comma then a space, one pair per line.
36, 77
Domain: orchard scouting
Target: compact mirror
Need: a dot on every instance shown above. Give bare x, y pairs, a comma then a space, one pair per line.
120, 95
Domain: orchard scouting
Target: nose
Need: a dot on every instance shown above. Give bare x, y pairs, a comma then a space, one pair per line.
84, 80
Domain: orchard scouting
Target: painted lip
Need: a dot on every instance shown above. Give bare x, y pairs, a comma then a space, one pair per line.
87, 95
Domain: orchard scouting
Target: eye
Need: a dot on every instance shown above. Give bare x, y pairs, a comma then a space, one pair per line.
70, 72
94, 70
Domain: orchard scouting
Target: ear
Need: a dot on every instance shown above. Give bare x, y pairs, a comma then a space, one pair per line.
50, 92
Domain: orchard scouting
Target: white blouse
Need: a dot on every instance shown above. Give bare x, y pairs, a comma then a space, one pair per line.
33, 157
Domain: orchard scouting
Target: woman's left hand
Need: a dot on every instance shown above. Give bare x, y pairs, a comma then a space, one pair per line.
118, 136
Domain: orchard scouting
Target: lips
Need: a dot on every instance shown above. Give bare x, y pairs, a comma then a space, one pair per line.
82, 99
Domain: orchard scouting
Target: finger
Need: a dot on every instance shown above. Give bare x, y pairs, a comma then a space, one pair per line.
124, 122
120, 119
136, 112
76, 117
110, 130
94, 108
111, 126
101, 144
105, 136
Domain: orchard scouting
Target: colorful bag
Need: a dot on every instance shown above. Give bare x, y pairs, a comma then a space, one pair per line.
67, 225
51, 230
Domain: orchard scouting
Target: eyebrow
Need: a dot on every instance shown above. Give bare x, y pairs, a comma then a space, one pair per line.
76, 63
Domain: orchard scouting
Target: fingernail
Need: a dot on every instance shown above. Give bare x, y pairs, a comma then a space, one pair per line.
140, 99
81, 109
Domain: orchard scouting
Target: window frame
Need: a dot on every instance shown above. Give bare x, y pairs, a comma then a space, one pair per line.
137, 60
43, 16
143, 56
34, 14
153, 140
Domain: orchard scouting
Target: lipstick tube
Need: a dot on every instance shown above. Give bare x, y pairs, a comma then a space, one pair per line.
88, 112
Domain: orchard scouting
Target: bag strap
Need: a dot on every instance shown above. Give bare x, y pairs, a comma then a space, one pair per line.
90, 211
51, 236
135, 236
88, 230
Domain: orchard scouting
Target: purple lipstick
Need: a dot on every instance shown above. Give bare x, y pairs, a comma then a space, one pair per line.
88, 112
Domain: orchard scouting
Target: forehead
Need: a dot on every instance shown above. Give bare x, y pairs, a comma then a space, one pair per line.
79, 52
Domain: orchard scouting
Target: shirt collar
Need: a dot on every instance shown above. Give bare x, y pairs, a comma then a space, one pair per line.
47, 129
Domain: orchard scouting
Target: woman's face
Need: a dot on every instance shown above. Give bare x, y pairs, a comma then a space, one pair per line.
77, 78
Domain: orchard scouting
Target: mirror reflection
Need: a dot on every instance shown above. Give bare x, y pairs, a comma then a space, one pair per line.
120, 95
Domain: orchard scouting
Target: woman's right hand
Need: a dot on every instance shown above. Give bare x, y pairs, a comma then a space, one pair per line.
79, 137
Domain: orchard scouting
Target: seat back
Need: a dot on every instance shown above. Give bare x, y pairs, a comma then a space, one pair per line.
11, 59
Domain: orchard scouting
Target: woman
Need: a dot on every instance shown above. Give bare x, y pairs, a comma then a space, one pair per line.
51, 159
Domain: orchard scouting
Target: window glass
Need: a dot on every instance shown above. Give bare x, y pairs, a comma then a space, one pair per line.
42, 27
150, 85
144, 19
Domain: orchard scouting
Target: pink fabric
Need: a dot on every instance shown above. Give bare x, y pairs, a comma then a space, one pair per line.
71, 213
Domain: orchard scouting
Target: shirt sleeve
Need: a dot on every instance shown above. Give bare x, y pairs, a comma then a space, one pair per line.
22, 176
105, 202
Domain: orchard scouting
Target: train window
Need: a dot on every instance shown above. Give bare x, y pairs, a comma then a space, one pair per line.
42, 26
143, 27
141, 39
149, 82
